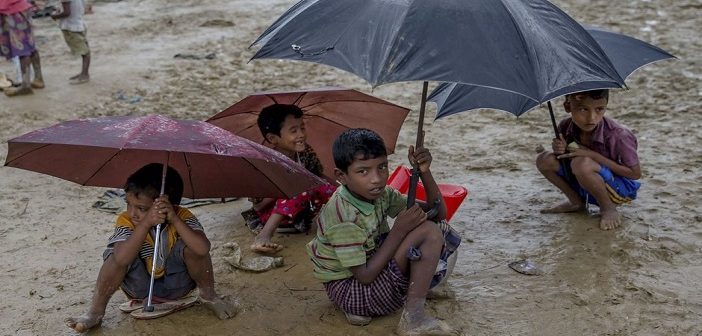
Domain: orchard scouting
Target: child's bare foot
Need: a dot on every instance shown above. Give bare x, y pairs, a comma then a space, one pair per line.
564, 207
424, 325
84, 322
609, 219
81, 79
224, 307
265, 245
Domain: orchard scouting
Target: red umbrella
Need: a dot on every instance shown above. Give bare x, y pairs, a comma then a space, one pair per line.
212, 162
327, 113
103, 152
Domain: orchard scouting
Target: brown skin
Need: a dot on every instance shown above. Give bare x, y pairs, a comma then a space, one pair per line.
83, 76
366, 180
146, 213
292, 140
586, 114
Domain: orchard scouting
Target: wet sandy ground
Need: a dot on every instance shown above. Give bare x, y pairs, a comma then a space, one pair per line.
642, 279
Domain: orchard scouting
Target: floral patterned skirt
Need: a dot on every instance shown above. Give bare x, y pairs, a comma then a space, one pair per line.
16, 38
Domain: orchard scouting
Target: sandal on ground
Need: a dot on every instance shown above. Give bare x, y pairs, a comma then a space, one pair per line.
357, 320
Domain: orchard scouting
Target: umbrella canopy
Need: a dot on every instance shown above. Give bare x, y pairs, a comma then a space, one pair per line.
327, 113
626, 53
212, 162
527, 47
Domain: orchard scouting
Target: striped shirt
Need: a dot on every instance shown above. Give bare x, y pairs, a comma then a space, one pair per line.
169, 235
348, 230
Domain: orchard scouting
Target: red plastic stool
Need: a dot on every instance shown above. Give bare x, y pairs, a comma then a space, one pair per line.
453, 194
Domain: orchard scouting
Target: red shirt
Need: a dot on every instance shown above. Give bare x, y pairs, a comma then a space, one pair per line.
8, 7
610, 139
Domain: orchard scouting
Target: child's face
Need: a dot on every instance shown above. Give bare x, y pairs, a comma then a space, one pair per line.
585, 111
365, 179
138, 206
292, 135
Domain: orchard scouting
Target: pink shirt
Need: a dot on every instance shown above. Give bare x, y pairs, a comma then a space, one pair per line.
609, 138
8, 7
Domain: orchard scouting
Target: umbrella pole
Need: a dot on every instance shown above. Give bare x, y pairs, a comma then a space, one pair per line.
563, 162
149, 306
414, 179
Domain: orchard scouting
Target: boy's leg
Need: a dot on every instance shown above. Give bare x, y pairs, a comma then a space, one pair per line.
262, 242
586, 171
85, 67
549, 166
200, 269
429, 239
109, 279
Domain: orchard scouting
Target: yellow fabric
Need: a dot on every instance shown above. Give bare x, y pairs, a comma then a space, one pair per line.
148, 246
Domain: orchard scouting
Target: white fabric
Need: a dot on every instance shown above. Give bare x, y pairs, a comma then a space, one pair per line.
74, 22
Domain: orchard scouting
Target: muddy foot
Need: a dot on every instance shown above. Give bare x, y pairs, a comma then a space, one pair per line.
224, 307
426, 326
264, 245
610, 219
84, 322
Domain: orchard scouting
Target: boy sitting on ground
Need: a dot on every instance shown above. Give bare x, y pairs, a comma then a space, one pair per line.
283, 127
603, 159
369, 269
129, 254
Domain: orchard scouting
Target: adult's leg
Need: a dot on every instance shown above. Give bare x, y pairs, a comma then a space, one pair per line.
549, 166
587, 172
109, 279
200, 270
429, 240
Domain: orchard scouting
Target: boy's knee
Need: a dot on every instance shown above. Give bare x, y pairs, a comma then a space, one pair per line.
583, 165
546, 161
432, 231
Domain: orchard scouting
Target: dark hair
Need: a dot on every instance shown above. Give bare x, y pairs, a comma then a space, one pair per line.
272, 117
147, 181
357, 141
594, 94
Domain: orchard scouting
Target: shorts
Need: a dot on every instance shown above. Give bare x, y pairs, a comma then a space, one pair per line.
385, 295
77, 42
621, 189
174, 284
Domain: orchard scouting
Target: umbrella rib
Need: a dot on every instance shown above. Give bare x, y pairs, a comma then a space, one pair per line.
101, 166
190, 174
27, 153
349, 101
266, 176
299, 98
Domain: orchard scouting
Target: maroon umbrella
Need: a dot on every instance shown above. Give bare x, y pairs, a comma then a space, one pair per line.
327, 113
103, 152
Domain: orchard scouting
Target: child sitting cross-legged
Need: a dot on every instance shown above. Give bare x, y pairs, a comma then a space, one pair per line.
369, 269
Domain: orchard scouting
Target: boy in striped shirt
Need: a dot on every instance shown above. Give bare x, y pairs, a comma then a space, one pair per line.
369, 269
184, 255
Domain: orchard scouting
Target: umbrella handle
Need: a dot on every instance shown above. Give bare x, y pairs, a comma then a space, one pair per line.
563, 162
149, 307
414, 179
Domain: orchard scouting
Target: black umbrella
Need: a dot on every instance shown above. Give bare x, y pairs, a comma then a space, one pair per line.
526, 47
626, 53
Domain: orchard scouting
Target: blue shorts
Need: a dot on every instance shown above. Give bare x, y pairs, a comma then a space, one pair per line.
174, 284
621, 189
